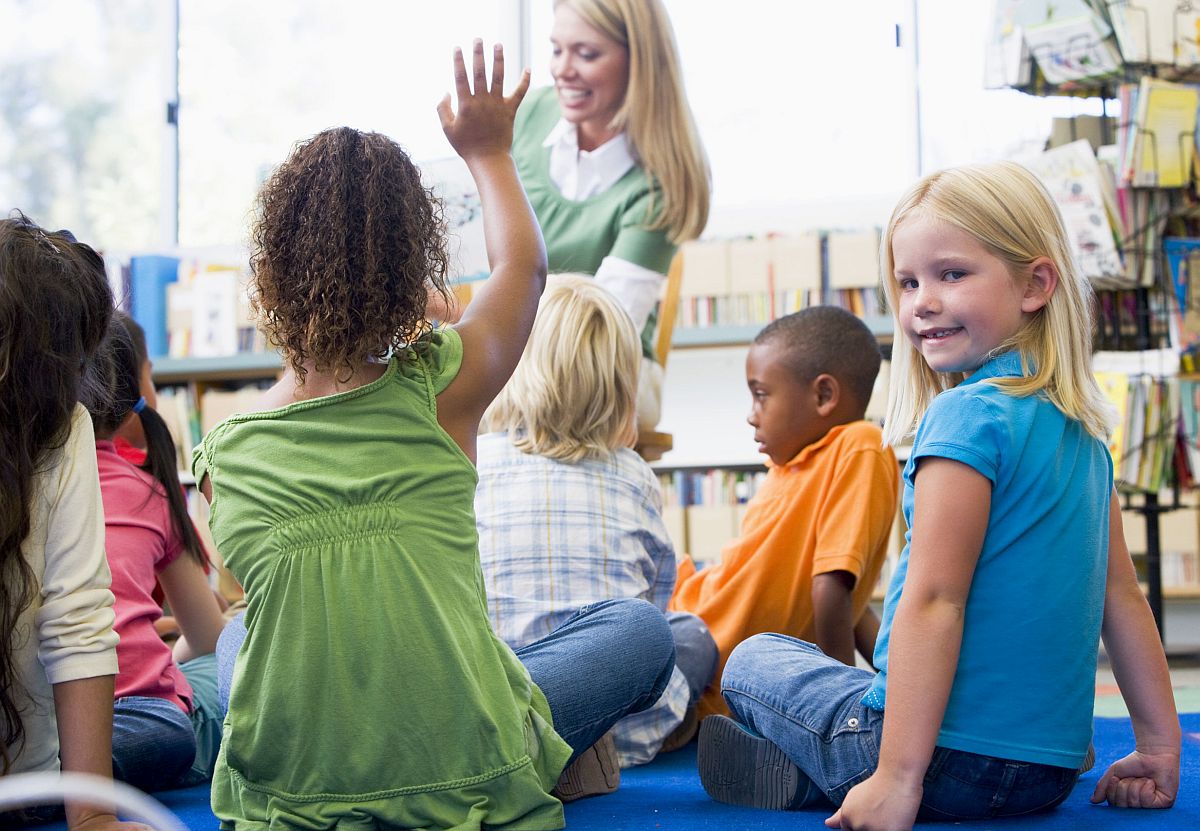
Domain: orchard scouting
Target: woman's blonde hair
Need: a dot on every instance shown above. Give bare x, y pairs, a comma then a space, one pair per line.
655, 113
574, 392
1009, 211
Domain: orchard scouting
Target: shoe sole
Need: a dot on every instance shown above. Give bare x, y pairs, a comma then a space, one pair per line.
738, 768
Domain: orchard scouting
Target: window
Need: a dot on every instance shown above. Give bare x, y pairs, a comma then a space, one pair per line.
257, 77
805, 109
81, 115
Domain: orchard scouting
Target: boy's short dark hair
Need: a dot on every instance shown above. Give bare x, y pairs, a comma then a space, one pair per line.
826, 339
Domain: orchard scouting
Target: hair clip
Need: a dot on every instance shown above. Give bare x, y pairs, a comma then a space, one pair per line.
41, 235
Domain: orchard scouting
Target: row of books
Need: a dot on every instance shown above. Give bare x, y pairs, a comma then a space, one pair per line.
743, 309
1129, 320
686, 488
191, 410
189, 304
1115, 229
1146, 434
1040, 45
754, 280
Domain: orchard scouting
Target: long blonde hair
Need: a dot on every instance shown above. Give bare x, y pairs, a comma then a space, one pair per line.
1009, 211
574, 392
655, 113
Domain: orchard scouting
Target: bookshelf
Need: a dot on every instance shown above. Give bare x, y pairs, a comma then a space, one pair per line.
238, 367
1136, 174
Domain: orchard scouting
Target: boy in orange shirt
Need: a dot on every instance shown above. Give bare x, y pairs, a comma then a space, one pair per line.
815, 536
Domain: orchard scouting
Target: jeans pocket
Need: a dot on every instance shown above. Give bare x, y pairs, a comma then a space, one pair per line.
1049, 788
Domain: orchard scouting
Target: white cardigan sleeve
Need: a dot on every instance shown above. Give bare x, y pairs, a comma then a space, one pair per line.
75, 623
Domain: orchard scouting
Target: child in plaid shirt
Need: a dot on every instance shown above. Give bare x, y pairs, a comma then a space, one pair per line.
568, 514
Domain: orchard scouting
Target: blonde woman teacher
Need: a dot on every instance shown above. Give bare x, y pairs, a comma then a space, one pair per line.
611, 159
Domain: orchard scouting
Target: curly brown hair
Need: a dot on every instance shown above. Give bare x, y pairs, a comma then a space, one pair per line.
347, 247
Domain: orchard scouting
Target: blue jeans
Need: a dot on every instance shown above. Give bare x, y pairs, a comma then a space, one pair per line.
608, 660
208, 716
696, 652
809, 705
153, 744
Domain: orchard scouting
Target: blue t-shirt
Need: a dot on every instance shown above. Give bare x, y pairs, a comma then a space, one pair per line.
1024, 687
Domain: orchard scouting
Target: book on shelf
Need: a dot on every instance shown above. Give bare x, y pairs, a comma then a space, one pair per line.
1161, 32
1145, 437
1164, 134
208, 309
1069, 48
1086, 197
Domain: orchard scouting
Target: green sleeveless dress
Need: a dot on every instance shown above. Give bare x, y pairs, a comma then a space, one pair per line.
370, 691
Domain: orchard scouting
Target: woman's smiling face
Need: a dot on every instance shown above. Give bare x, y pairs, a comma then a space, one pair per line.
591, 75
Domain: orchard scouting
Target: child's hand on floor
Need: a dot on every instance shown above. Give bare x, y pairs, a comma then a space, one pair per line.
484, 121
1141, 780
878, 803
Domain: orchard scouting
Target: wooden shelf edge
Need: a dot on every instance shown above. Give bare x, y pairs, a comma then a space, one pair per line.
241, 366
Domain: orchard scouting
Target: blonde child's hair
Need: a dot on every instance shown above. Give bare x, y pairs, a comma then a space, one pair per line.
655, 113
574, 392
1009, 211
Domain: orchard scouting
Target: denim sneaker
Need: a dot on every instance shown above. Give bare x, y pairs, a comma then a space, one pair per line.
593, 773
742, 768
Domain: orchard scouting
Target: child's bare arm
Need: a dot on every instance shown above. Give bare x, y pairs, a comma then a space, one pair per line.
833, 614
496, 324
84, 710
866, 633
1148, 777
952, 504
194, 606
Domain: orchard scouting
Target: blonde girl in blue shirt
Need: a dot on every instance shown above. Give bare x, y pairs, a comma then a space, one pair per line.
1015, 563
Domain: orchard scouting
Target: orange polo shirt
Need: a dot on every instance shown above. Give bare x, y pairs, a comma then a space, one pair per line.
830, 508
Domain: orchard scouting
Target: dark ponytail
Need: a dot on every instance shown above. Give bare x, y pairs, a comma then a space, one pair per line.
111, 391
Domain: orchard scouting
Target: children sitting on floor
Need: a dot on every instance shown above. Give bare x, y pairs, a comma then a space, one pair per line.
368, 688
1015, 564
815, 536
568, 514
166, 717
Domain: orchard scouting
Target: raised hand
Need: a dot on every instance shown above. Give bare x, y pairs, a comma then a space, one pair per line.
1140, 780
484, 121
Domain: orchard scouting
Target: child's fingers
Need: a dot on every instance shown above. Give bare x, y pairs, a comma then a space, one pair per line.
445, 114
479, 66
1100, 793
461, 85
522, 87
498, 70
834, 821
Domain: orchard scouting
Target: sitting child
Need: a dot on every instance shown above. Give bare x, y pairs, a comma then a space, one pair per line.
57, 645
568, 514
368, 688
815, 536
166, 718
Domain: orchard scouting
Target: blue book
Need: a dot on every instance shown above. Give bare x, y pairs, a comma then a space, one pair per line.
148, 279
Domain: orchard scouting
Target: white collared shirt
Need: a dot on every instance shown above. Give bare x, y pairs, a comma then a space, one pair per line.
582, 174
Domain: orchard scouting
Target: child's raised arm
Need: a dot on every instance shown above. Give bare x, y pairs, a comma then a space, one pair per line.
1149, 776
497, 323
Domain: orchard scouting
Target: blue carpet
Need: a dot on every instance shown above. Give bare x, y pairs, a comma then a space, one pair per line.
667, 795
